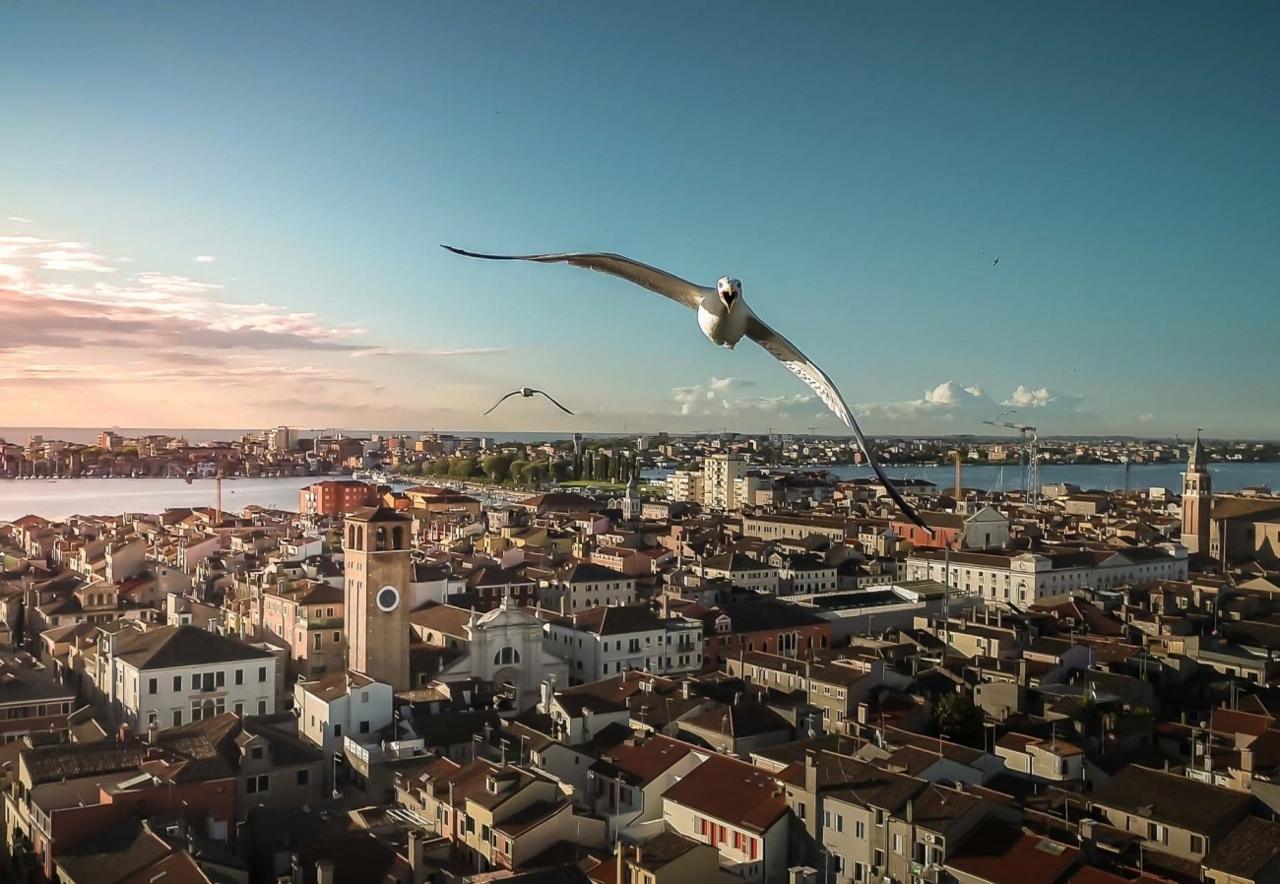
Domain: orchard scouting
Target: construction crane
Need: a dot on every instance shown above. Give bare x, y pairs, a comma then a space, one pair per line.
1032, 467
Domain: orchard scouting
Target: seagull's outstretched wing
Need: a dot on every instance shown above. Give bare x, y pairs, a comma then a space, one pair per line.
803, 367
500, 401
655, 280
552, 400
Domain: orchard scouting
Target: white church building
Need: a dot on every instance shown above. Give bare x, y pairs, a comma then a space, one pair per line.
504, 646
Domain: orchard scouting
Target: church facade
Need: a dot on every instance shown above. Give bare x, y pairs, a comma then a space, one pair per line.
505, 647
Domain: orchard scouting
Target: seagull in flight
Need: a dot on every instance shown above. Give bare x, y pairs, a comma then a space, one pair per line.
995, 261
725, 319
528, 393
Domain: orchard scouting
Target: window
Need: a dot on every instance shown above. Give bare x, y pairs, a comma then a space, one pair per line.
506, 657
255, 752
897, 844
839, 822
177, 717
859, 829
152, 718
220, 679
239, 676
337, 730
1197, 844
151, 685
302, 777
317, 639
177, 682
258, 784
1157, 833
239, 710
262, 673
262, 707
364, 727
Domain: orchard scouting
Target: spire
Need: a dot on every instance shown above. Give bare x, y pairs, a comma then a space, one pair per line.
1198, 459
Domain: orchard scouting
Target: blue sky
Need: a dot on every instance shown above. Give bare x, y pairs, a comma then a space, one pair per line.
856, 165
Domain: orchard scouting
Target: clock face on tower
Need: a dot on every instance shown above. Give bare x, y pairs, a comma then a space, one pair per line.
388, 599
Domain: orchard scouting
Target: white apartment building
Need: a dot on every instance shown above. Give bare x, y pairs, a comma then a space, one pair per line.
606, 641
342, 704
685, 485
741, 571
1025, 578
172, 675
584, 585
720, 475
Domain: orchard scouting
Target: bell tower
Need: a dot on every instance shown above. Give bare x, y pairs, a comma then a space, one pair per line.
632, 504
1197, 500
376, 548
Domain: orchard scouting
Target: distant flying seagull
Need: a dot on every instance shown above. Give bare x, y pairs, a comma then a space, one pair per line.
724, 318
995, 262
528, 393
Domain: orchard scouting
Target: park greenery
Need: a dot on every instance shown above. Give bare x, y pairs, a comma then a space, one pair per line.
593, 466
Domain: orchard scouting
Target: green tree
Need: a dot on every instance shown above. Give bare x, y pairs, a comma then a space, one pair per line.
958, 719
533, 473
463, 468
516, 471
497, 467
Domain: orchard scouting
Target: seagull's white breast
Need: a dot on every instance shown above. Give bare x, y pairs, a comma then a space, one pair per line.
722, 327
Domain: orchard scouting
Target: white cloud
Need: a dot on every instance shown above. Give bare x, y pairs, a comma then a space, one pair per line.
1026, 398
1146, 417
721, 397
205, 259
18, 219
148, 307
961, 406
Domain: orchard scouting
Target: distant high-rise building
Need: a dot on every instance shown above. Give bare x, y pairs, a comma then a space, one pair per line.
1197, 500
376, 546
109, 440
720, 474
282, 439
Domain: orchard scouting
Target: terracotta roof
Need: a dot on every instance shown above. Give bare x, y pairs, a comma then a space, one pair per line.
169, 646
732, 791
640, 762
446, 619
1001, 854
1250, 847
1171, 798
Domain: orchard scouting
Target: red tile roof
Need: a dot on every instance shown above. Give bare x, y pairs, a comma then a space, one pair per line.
733, 791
